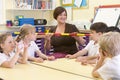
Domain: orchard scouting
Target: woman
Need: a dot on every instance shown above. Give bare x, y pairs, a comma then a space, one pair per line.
63, 45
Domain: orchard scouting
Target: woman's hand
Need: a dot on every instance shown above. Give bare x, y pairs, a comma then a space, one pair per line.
69, 56
48, 36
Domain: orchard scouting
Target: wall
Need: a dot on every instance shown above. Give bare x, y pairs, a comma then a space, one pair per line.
87, 14
79, 15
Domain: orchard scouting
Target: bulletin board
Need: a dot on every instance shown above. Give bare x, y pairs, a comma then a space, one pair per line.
78, 4
75, 3
108, 14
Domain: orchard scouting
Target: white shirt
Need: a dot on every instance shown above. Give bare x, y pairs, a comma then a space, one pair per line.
93, 49
111, 69
31, 49
4, 57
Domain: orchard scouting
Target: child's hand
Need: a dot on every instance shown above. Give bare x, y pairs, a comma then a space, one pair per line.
84, 62
18, 50
80, 59
38, 60
51, 58
25, 45
69, 56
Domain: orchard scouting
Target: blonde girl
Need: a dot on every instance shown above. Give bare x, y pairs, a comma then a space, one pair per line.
28, 36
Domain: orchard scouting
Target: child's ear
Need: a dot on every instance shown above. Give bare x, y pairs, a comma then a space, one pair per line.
106, 54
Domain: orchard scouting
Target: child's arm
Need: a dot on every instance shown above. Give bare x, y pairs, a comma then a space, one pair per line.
40, 54
98, 65
11, 63
92, 57
23, 58
79, 53
24, 54
43, 56
35, 59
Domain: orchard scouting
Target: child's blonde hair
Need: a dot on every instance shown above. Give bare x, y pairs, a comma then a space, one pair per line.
3, 38
25, 30
110, 43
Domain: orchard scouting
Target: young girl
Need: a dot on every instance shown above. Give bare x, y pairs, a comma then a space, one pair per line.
8, 57
28, 36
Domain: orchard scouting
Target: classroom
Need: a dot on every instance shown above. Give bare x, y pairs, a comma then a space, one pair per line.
59, 39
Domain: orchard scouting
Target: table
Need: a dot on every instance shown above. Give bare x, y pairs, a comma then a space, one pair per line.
69, 66
60, 69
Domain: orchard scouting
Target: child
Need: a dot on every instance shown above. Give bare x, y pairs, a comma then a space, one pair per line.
28, 36
8, 57
109, 48
92, 48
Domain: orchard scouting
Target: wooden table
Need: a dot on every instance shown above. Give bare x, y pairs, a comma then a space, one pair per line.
68, 66
60, 69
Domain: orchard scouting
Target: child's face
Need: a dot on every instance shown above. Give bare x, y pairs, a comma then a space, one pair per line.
95, 36
32, 36
8, 45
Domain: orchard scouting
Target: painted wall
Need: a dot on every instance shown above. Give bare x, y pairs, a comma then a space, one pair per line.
78, 14
88, 13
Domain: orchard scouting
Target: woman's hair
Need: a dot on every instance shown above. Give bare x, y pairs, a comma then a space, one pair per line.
98, 27
25, 30
58, 11
110, 43
3, 38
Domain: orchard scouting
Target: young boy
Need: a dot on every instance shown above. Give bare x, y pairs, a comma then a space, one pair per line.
109, 48
92, 48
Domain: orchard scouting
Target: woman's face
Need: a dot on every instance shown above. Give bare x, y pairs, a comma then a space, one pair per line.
62, 17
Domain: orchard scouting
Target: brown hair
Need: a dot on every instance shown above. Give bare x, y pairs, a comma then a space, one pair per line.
58, 11
98, 27
25, 30
3, 38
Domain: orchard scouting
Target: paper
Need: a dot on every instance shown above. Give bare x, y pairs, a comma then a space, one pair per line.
77, 3
67, 2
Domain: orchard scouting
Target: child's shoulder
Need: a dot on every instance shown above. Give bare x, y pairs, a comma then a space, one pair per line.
2, 54
32, 42
91, 42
